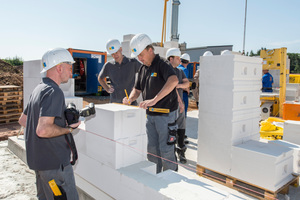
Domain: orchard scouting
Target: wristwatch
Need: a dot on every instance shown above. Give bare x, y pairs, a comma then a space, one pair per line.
70, 129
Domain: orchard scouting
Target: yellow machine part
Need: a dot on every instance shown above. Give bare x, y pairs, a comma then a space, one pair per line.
275, 101
269, 131
294, 78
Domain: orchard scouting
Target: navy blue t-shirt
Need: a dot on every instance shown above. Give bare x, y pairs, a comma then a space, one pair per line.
152, 79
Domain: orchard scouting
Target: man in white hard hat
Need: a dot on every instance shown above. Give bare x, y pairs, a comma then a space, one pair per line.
121, 72
47, 134
173, 56
156, 81
185, 59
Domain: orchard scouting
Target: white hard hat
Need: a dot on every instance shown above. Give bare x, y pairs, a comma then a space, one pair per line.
173, 52
112, 46
226, 52
54, 57
138, 43
185, 56
208, 53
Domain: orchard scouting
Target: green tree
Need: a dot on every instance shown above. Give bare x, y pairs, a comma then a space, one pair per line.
14, 61
294, 63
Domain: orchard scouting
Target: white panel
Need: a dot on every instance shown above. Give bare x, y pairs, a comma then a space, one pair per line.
296, 154
291, 131
117, 121
68, 88
78, 101
32, 69
263, 164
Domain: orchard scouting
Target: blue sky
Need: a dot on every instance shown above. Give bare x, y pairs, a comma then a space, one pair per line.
28, 28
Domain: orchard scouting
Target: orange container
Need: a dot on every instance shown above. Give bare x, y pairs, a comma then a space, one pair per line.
291, 111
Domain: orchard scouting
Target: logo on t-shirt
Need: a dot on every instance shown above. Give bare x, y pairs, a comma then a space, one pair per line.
154, 74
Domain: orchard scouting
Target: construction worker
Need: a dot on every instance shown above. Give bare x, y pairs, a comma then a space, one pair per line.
121, 72
47, 134
267, 81
185, 59
173, 56
156, 81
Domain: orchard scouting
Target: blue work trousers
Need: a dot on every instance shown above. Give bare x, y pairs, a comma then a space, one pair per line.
186, 101
158, 133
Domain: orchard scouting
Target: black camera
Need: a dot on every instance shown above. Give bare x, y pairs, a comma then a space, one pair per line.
72, 114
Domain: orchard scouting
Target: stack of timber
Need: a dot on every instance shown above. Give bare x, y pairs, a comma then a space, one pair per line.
11, 101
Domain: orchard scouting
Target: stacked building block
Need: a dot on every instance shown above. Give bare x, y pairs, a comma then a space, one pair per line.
266, 165
291, 131
118, 139
296, 152
228, 131
229, 109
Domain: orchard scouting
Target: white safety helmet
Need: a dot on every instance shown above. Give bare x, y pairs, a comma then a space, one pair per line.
138, 43
185, 56
112, 46
173, 52
54, 57
208, 53
226, 52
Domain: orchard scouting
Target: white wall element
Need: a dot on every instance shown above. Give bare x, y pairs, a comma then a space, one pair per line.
137, 181
291, 131
171, 44
68, 88
78, 101
29, 83
296, 152
263, 164
116, 121
229, 114
128, 37
32, 69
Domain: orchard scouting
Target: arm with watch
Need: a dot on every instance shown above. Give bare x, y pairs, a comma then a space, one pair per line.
47, 129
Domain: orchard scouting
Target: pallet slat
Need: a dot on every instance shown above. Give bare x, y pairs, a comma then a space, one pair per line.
245, 187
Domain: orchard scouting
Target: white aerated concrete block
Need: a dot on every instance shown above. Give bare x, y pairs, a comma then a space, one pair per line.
116, 153
78, 101
28, 86
68, 88
116, 121
171, 44
127, 37
32, 69
291, 131
161, 51
263, 164
296, 154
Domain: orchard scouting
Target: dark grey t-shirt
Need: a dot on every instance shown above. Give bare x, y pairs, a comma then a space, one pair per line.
47, 99
122, 76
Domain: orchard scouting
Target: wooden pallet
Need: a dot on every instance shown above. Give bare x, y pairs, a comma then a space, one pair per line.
245, 187
11, 100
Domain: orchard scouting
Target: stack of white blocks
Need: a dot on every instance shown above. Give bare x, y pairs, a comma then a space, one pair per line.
229, 107
32, 77
292, 92
229, 114
118, 139
296, 152
291, 131
126, 45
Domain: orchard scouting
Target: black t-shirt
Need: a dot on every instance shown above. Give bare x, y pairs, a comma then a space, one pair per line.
152, 79
46, 100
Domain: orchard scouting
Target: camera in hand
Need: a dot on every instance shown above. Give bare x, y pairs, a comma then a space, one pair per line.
72, 114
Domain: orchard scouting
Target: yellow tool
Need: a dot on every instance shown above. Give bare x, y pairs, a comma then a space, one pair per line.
54, 188
160, 110
127, 96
